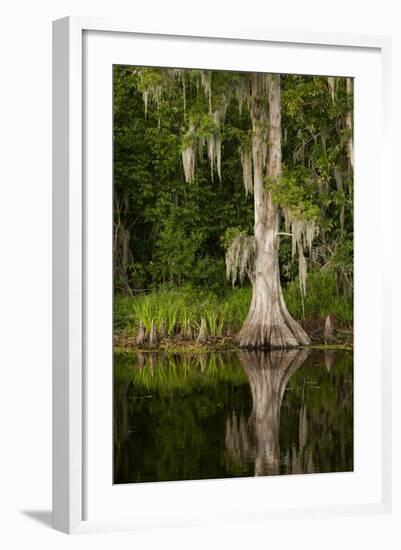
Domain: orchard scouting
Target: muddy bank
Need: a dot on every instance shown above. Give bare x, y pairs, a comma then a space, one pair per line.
322, 332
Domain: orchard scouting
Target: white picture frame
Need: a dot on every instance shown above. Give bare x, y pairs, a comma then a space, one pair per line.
71, 246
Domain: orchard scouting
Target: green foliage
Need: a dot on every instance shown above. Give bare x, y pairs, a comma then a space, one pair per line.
322, 298
204, 127
174, 256
179, 232
229, 234
209, 272
175, 227
179, 309
298, 192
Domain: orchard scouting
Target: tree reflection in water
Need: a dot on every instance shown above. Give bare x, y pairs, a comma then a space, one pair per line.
232, 414
256, 439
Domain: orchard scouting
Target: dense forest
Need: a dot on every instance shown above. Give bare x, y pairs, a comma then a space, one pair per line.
233, 208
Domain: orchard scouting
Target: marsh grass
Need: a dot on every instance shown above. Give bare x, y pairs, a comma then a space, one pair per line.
180, 312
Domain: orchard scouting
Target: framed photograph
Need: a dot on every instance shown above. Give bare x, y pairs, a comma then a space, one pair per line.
219, 329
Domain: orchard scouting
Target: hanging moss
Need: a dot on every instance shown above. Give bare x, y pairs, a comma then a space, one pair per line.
240, 258
247, 175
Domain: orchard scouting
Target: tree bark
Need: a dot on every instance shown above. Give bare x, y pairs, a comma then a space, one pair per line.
268, 323
122, 255
329, 330
349, 124
153, 335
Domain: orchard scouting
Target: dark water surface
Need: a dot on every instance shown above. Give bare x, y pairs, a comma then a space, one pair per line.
216, 415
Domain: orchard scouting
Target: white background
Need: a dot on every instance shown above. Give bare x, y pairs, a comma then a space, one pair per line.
25, 169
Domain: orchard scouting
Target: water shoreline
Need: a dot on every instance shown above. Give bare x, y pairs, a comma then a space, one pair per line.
215, 345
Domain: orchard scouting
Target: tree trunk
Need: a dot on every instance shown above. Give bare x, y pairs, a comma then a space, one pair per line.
153, 336
349, 124
141, 335
268, 323
122, 255
202, 335
329, 330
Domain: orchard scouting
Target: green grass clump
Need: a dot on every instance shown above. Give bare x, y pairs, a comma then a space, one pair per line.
180, 310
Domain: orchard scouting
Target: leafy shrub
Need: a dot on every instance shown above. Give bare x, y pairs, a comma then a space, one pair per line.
321, 298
